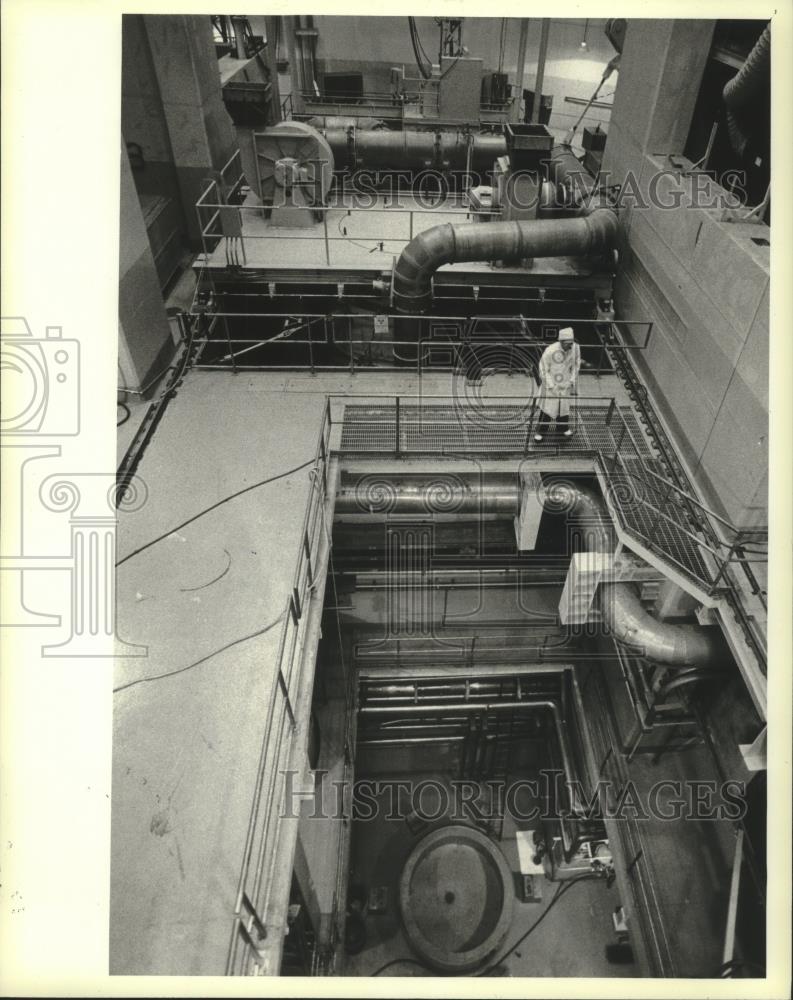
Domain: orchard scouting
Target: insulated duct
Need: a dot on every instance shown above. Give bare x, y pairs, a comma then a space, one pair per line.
627, 619
593, 233
745, 90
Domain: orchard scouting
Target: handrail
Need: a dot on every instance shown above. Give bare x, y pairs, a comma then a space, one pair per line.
251, 913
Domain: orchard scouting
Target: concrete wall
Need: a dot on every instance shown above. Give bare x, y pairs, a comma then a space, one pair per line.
144, 333
702, 281
172, 107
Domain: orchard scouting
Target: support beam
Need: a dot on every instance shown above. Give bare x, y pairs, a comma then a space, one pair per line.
527, 523
544, 32
754, 754
521, 68
588, 570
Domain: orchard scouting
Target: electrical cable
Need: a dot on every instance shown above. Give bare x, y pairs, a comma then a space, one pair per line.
450, 68
206, 510
127, 411
349, 239
197, 663
152, 380
563, 888
418, 49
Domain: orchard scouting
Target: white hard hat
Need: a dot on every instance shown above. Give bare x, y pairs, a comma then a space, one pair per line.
566, 333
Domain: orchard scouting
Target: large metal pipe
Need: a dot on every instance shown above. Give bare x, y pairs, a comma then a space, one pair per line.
417, 493
412, 150
628, 621
593, 233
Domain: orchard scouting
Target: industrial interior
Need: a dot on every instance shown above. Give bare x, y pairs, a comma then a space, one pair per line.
362, 589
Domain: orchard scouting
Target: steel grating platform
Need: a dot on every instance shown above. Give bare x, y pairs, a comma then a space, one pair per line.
499, 429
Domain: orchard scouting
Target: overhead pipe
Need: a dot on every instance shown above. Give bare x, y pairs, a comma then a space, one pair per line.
628, 621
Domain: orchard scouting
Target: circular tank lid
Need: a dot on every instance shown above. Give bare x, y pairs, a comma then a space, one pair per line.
456, 898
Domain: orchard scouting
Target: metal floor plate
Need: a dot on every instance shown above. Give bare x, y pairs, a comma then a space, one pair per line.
480, 428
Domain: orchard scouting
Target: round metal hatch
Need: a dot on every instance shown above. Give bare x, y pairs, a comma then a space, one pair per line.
456, 898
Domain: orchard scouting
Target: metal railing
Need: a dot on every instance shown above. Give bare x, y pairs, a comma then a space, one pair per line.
212, 229
507, 344
649, 508
250, 941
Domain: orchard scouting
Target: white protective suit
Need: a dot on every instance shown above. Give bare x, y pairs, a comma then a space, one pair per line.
558, 376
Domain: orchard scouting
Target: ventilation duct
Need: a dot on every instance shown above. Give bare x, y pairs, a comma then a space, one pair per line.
627, 619
594, 233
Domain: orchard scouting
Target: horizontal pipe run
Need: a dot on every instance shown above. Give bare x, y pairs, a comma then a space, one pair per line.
404, 741
411, 150
626, 618
493, 706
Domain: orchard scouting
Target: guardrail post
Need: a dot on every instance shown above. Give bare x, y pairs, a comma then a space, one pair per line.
530, 425
307, 550
287, 699
396, 426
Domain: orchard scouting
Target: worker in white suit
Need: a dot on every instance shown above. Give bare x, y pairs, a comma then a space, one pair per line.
559, 367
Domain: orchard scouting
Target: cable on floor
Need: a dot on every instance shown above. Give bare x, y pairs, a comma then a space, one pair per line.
207, 510
127, 414
197, 663
562, 889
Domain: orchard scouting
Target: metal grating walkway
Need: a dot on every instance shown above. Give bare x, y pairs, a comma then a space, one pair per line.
643, 516
491, 428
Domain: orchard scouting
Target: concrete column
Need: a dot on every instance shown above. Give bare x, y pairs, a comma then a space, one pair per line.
144, 332
659, 77
540, 78
199, 127
295, 68
521, 69
269, 56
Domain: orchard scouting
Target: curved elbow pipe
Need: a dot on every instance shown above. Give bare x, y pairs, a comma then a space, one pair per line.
673, 645
589, 234
627, 619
